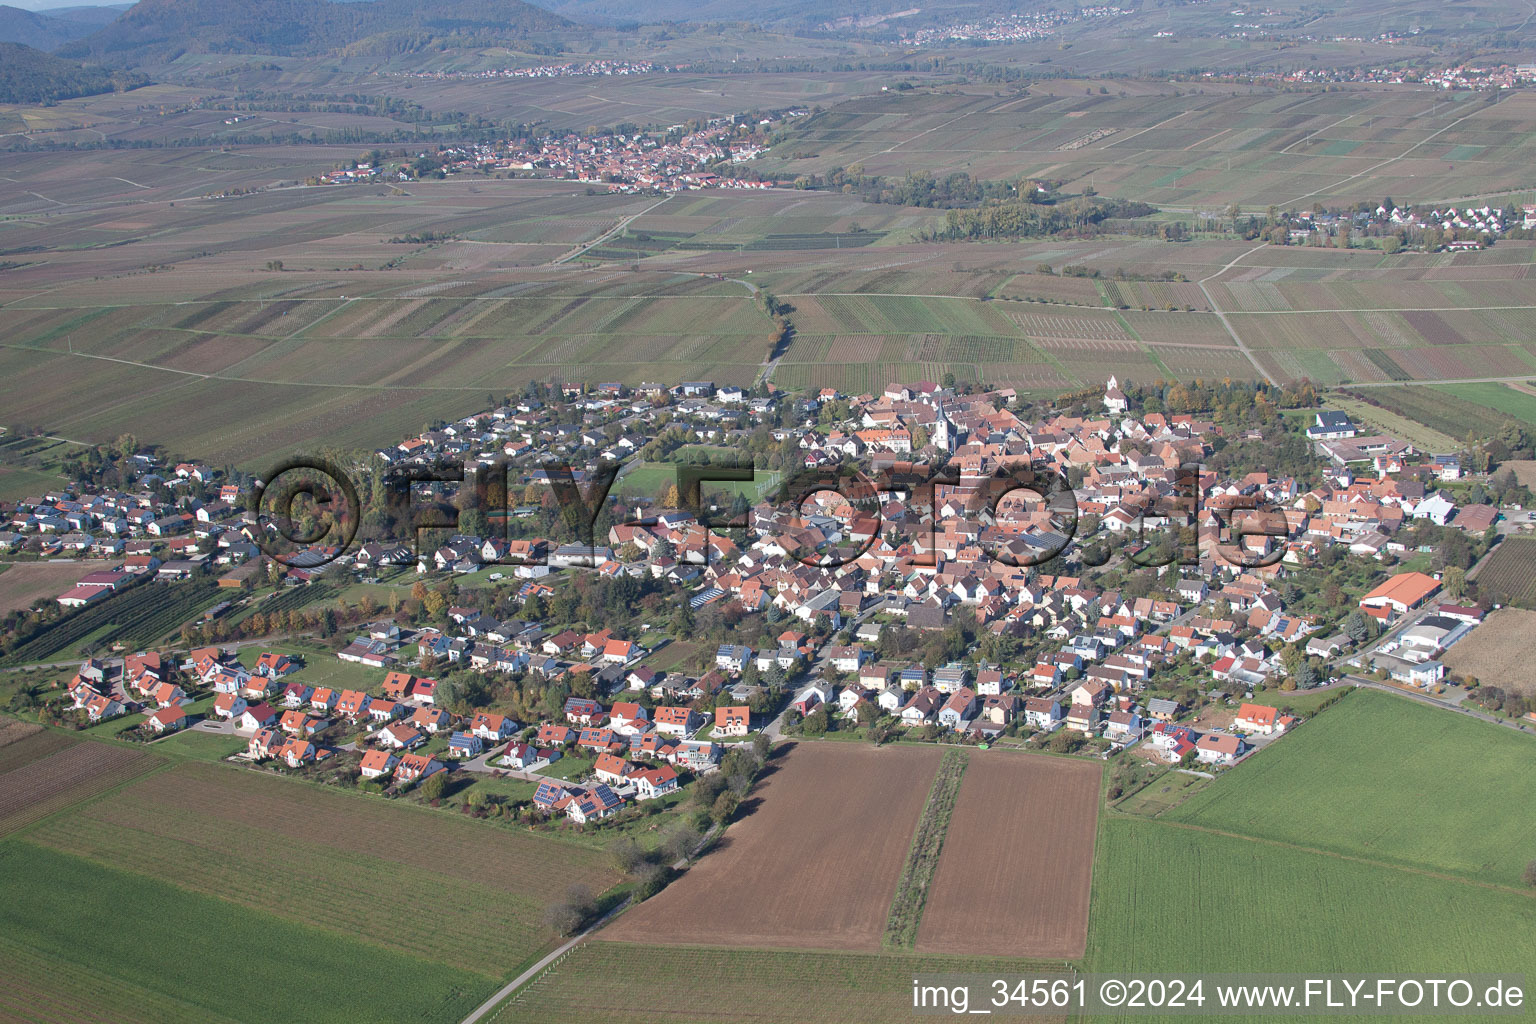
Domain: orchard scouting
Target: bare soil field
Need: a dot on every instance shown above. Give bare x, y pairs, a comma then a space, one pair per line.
1498, 652
813, 867
26, 582
38, 788
1017, 865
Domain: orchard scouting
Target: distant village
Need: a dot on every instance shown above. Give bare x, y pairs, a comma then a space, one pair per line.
673, 159
583, 69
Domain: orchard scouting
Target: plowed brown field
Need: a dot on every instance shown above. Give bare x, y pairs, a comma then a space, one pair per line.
814, 867
1014, 876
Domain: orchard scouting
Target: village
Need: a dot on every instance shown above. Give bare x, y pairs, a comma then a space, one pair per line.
680, 157
890, 616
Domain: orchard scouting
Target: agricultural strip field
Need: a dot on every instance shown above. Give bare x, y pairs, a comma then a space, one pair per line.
1498, 397
595, 984
174, 956
24, 742
1436, 409
814, 866
927, 846
219, 830
137, 616
1015, 875
44, 784
1498, 651
24, 583
1386, 779
1175, 899
1509, 574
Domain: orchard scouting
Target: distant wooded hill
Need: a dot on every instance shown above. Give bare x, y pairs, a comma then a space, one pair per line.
47, 30
157, 31
28, 75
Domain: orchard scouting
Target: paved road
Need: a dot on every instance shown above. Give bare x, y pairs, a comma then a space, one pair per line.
532, 972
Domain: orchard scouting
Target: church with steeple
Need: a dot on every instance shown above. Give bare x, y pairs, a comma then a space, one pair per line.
1114, 398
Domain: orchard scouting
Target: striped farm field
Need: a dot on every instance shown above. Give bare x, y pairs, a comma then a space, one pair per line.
1077, 324
596, 982
40, 786
122, 942
24, 742
219, 830
1178, 328
1237, 902
1079, 291
1509, 575
1499, 397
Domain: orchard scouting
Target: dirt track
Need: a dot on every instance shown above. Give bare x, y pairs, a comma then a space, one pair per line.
813, 867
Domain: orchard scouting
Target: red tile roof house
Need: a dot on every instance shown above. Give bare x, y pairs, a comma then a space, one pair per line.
167, 719
1220, 748
601, 739
1257, 718
413, 767
654, 782
376, 763
593, 804
297, 723
399, 736
553, 795
520, 755
229, 705
612, 769
677, 721
431, 719
733, 721
492, 727
551, 735
627, 718
385, 710
263, 743
352, 703
275, 665
258, 716
583, 711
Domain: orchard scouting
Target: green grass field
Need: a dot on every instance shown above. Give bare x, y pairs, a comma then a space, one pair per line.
224, 832
1500, 397
1167, 898
166, 954
1389, 780
695, 985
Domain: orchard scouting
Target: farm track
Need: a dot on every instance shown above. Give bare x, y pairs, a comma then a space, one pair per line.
1215, 308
